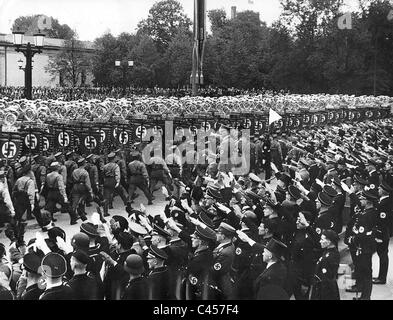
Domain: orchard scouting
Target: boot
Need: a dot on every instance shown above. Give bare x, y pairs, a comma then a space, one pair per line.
99, 211
134, 196
129, 207
29, 216
106, 213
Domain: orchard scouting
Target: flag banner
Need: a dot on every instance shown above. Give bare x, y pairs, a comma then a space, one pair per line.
104, 132
121, 135
274, 116
31, 140
47, 140
64, 137
314, 118
306, 119
261, 124
138, 129
345, 115
337, 116
361, 115
10, 146
331, 117
288, 121
298, 121
351, 116
322, 118
89, 141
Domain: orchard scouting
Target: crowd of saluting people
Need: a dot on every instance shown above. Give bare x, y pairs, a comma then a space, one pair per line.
220, 236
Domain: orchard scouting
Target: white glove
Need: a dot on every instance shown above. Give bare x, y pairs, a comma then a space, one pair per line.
95, 218
344, 186
223, 208
41, 244
242, 236
184, 203
67, 248
165, 191
273, 166
143, 208
197, 222
319, 182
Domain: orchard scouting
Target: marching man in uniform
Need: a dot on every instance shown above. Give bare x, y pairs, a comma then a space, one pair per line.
81, 189
57, 192
112, 182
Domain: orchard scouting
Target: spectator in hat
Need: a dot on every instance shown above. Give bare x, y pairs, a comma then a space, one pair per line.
159, 276
384, 230
116, 278
331, 171
360, 237
32, 273
373, 175
83, 284
275, 272
137, 286
159, 236
5, 290
198, 266
325, 219
223, 256
301, 262
54, 267
92, 242
325, 277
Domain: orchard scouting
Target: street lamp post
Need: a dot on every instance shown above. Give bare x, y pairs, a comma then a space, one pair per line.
28, 51
125, 66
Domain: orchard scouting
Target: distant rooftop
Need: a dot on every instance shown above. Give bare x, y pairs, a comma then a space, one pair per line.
7, 39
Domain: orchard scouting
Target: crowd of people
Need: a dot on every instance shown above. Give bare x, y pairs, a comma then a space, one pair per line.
60, 109
101, 93
221, 236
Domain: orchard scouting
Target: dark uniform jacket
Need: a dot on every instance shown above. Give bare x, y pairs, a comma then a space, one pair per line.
63, 292
222, 261
159, 286
137, 289
198, 275
116, 278
384, 219
360, 232
276, 275
85, 287
325, 278
32, 292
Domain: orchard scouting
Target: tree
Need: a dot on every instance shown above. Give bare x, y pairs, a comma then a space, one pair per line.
29, 24
146, 58
179, 60
104, 59
72, 64
218, 20
237, 46
166, 18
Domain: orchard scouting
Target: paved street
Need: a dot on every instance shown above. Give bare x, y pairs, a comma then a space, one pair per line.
380, 292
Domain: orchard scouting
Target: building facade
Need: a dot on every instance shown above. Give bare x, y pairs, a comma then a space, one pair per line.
11, 75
